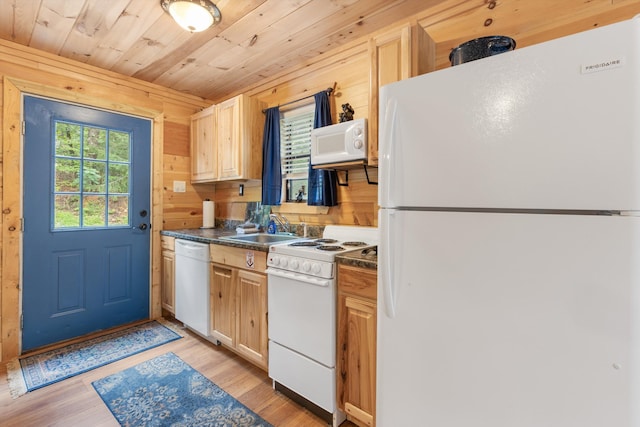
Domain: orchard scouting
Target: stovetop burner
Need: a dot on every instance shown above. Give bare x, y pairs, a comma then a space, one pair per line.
354, 243
326, 241
305, 243
321, 251
331, 248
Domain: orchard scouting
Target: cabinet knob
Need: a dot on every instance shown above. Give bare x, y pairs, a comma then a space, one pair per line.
252, 323
219, 294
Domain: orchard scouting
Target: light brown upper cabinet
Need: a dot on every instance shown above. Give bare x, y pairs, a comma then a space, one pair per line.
397, 54
203, 153
226, 141
230, 137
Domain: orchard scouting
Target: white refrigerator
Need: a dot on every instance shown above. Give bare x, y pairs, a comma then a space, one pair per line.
509, 262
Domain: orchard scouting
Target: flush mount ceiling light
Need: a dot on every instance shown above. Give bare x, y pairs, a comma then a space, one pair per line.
192, 15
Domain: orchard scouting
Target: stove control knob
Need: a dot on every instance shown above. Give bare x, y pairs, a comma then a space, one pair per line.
294, 264
283, 262
274, 260
306, 266
315, 268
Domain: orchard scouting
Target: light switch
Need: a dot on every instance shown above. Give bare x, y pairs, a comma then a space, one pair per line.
179, 186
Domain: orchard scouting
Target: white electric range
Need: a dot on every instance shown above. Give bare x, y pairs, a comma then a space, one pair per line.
302, 316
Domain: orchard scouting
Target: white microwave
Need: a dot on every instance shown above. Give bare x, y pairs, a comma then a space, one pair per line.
342, 142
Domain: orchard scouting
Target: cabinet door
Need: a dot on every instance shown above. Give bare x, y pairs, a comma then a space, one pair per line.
390, 55
223, 304
358, 357
168, 280
252, 316
356, 364
203, 149
230, 138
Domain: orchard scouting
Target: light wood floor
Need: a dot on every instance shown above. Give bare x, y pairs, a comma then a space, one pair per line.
74, 403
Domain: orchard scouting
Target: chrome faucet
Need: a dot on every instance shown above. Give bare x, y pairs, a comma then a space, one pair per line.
282, 221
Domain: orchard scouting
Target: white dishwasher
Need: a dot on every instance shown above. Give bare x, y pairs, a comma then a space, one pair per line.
192, 285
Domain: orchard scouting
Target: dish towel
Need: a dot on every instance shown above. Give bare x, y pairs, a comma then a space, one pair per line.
247, 228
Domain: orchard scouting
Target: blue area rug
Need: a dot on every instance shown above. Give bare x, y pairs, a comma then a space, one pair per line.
165, 391
52, 366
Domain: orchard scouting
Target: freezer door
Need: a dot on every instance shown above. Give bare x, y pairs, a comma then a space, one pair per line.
503, 320
550, 126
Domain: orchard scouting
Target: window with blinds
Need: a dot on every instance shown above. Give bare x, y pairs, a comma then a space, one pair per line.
295, 151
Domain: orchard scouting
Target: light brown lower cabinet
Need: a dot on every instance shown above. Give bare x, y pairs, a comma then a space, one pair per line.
223, 303
238, 288
168, 271
357, 293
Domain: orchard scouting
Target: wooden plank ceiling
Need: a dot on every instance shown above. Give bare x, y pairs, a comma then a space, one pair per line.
259, 39
255, 39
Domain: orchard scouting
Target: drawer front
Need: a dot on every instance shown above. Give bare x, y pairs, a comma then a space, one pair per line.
245, 259
358, 281
168, 242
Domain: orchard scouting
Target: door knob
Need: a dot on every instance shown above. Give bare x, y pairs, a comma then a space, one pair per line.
143, 226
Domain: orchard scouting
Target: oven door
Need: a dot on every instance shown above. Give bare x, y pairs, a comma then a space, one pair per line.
302, 314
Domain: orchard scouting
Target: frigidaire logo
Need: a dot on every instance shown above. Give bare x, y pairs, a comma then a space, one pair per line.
601, 66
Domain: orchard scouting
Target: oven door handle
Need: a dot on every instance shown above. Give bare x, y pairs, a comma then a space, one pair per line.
310, 280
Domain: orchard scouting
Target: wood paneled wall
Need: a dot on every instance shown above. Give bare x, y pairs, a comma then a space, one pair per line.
348, 71
180, 210
447, 24
26, 70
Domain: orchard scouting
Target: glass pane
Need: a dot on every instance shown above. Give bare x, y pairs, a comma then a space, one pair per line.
85, 176
118, 146
95, 143
67, 139
66, 211
118, 178
94, 177
296, 190
67, 175
93, 211
118, 210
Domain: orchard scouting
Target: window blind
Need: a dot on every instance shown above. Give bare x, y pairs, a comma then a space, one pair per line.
295, 137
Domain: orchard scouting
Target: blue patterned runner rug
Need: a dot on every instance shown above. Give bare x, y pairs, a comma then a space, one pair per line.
52, 366
166, 391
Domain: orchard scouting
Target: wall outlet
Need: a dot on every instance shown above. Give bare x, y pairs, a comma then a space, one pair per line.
179, 186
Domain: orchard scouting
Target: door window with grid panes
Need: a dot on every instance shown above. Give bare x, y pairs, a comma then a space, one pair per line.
92, 176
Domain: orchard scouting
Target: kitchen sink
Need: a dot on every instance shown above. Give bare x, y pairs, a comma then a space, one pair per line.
263, 238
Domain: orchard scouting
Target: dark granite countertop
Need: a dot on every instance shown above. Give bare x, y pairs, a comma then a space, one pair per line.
359, 258
212, 235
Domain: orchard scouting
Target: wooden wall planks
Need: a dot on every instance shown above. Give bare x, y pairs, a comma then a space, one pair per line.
349, 70
447, 23
26, 70
528, 22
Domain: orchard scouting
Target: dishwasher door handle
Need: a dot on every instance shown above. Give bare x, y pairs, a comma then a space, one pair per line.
189, 249
188, 245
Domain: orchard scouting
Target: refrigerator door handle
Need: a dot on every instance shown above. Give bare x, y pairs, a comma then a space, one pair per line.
388, 173
388, 286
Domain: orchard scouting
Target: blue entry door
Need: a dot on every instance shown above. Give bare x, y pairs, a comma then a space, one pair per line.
86, 237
